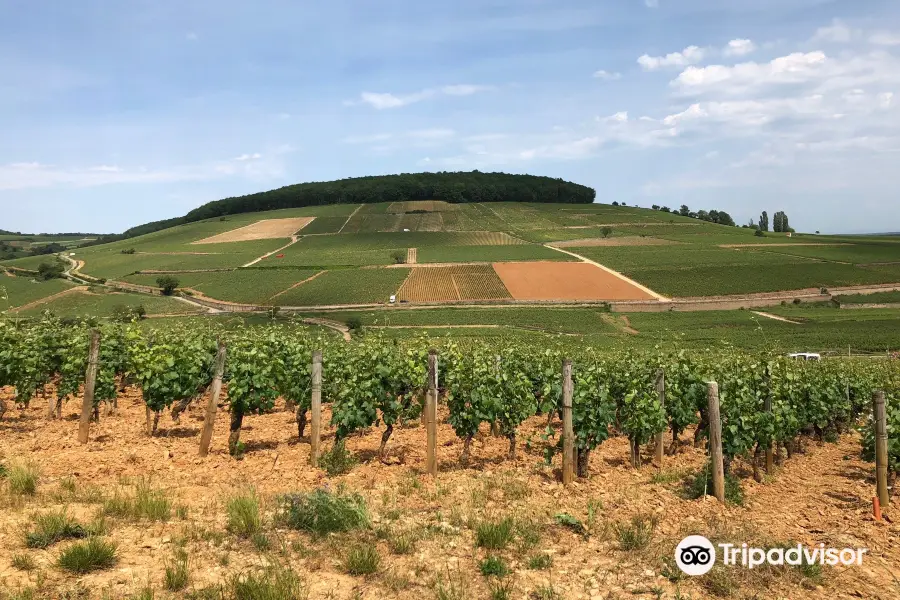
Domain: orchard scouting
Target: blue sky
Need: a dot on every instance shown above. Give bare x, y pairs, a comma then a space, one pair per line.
115, 113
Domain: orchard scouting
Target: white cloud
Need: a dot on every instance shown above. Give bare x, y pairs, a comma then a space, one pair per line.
607, 75
884, 38
431, 134
689, 56
838, 32
651, 3
794, 68
739, 48
382, 101
246, 157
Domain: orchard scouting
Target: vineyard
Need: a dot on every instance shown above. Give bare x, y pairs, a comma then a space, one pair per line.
651, 406
766, 401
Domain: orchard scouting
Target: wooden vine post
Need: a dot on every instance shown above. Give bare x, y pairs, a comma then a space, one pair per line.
209, 420
661, 392
431, 399
315, 430
90, 383
881, 448
715, 443
770, 453
568, 458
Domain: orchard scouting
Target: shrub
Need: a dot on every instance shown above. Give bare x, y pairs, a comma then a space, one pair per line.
337, 460
243, 514
398, 256
759, 233
362, 559
23, 479
493, 566
51, 270
354, 324
494, 535
637, 534
167, 284
51, 528
322, 511
88, 556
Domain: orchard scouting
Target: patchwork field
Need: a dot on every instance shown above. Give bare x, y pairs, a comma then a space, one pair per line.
262, 230
449, 284
22, 290
104, 304
565, 281
346, 286
247, 286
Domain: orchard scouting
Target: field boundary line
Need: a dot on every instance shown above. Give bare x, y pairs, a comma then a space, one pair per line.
298, 284
775, 317
40, 301
353, 214
643, 288
294, 240
456, 287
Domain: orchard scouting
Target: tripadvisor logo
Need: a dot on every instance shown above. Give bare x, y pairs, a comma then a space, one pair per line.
696, 555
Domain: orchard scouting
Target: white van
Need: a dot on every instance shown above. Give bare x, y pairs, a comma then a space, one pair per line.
393, 299
805, 356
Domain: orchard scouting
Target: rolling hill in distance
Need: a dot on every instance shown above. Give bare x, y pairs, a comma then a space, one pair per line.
490, 242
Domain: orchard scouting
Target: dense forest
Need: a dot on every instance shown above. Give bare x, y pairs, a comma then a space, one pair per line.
450, 187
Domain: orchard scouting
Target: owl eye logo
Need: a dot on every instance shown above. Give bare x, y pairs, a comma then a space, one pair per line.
695, 555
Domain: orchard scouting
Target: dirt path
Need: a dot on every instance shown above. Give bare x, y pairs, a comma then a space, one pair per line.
353, 214
775, 317
36, 303
336, 325
412, 256
645, 289
294, 240
298, 284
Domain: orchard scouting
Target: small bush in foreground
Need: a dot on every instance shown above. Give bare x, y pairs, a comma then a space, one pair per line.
494, 535
322, 512
51, 528
277, 583
362, 559
337, 460
23, 479
88, 556
243, 514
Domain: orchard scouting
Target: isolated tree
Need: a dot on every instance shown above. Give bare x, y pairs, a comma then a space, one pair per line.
684, 211
606, 232
398, 256
764, 221
51, 270
655, 207
785, 225
167, 284
776, 222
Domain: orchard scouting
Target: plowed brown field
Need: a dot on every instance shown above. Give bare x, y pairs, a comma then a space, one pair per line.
564, 281
261, 230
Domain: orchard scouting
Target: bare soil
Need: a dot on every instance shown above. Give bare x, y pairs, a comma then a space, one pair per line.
261, 230
820, 496
564, 281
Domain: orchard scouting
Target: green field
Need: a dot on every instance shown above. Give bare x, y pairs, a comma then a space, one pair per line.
346, 286
30, 263
434, 254
20, 291
104, 304
855, 254
248, 286
877, 298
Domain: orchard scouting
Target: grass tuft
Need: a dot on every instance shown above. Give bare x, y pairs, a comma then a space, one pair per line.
494, 535
322, 512
637, 534
243, 514
177, 572
88, 556
404, 543
147, 503
53, 527
700, 484
362, 559
23, 562
276, 583
540, 562
493, 566
22, 478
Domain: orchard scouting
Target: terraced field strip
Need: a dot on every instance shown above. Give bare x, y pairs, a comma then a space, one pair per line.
47, 299
353, 214
628, 240
412, 256
426, 205
452, 284
294, 240
296, 285
261, 230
